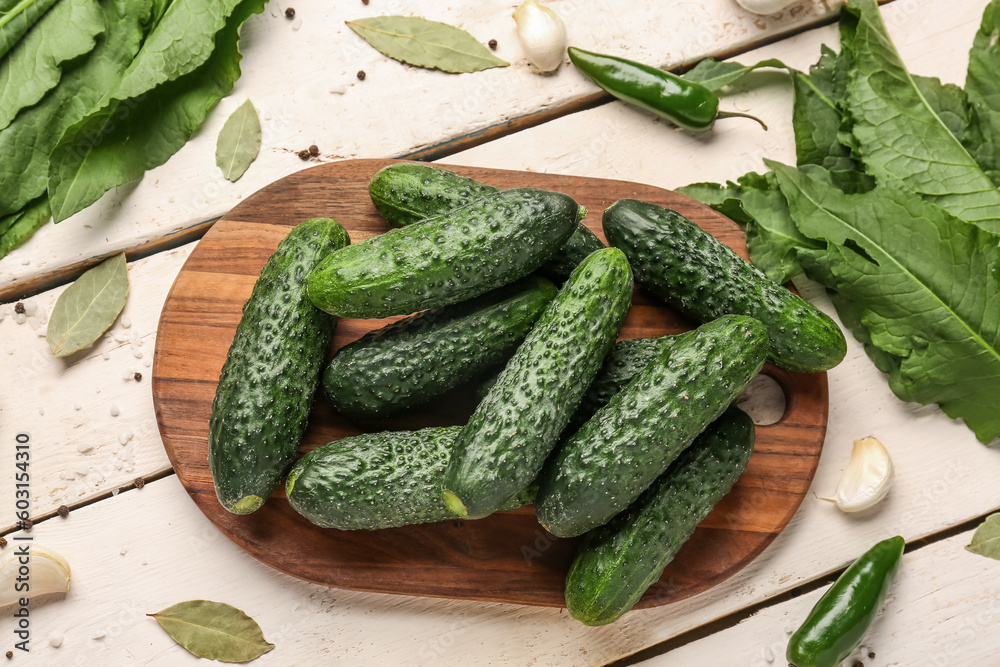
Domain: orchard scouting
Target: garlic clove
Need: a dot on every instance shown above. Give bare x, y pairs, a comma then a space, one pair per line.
542, 34
44, 571
765, 6
867, 478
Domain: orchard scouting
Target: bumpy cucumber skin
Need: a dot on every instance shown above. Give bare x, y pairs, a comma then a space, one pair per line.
576, 249
617, 562
447, 259
599, 470
269, 379
504, 444
678, 262
406, 192
625, 360
378, 480
415, 359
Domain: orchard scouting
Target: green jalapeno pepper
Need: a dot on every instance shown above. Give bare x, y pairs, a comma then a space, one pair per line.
837, 623
684, 103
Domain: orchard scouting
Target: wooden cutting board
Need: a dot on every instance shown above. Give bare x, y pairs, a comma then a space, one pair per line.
507, 557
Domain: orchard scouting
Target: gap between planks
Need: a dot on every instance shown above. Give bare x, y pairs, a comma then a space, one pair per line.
731, 620
710, 628
63, 275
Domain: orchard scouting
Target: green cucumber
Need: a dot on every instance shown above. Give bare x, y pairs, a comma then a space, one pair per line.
450, 258
378, 480
625, 360
576, 249
269, 379
505, 443
408, 192
617, 562
415, 359
677, 261
599, 470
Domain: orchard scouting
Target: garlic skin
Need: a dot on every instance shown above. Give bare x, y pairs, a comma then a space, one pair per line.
48, 572
542, 34
765, 6
867, 478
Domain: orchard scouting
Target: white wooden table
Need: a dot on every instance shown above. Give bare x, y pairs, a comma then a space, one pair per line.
93, 432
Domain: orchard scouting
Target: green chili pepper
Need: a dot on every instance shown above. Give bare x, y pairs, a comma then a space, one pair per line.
840, 619
684, 103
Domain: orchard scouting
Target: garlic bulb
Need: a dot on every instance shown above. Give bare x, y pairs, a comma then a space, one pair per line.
28, 570
867, 478
542, 34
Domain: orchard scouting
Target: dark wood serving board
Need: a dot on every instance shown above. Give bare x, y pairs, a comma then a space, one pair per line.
507, 557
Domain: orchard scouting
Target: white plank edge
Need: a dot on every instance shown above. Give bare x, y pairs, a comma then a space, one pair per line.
80, 449
301, 76
941, 610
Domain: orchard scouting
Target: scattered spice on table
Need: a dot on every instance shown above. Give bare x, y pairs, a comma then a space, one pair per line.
137, 377
3, 542
139, 482
304, 154
492, 44
314, 150
63, 511
19, 308
361, 75
290, 12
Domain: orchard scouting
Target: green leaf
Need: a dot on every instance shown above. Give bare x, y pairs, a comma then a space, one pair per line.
424, 43
88, 307
902, 140
716, 75
818, 116
26, 143
18, 228
140, 133
34, 66
983, 88
940, 317
239, 141
986, 539
214, 630
16, 18
755, 202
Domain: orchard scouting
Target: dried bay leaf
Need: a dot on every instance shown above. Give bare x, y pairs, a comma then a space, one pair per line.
986, 539
88, 307
239, 142
418, 41
214, 630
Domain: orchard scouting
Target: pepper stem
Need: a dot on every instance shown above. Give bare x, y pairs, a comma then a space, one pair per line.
737, 114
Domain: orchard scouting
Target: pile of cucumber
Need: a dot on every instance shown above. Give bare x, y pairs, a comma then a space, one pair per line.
630, 444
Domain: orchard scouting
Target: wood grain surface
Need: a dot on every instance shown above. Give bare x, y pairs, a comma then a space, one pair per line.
507, 557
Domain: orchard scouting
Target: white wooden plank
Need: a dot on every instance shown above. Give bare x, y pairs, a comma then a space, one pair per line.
943, 478
941, 610
301, 75
65, 405
147, 549
619, 141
